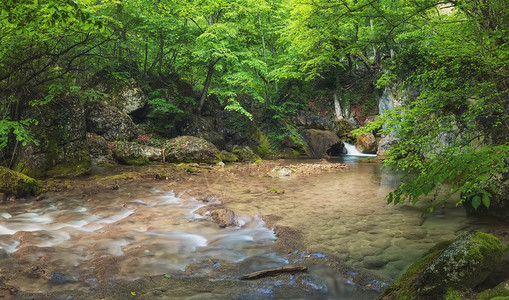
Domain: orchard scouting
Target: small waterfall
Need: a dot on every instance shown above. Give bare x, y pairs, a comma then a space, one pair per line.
351, 150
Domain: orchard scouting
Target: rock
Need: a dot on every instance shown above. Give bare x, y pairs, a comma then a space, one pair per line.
223, 217
464, 264
246, 154
394, 96
281, 172
501, 290
42, 273
374, 262
61, 132
499, 202
191, 149
129, 98
322, 143
16, 184
385, 143
367, 143
97, 145
228, 156
309, 120
458, 265
198, 126
135, 154
109, 122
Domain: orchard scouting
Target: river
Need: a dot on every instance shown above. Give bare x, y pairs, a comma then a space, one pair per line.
80, 241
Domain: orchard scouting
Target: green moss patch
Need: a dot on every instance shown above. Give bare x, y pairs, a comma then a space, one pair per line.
17, 184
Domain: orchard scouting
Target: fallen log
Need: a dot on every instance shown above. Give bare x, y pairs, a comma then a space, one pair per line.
272, 272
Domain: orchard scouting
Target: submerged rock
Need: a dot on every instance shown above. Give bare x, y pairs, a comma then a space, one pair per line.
16, 184
449, 266
191, 149
135, 154
223, 217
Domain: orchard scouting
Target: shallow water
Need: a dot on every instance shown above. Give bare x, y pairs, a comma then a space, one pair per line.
156, 233
147, 230
345, 214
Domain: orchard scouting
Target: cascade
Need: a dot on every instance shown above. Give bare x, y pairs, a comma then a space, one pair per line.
351, 150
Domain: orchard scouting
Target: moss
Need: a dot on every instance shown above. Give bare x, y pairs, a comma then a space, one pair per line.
71, 169
453, 294
276, 190
404, 288
499, 292
246, 154
123, 176
18, 184
486, 246
228, 156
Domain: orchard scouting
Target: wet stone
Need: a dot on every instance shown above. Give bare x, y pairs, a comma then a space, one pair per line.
374, 262
223, 217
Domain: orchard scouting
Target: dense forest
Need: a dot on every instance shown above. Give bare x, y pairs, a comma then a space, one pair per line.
261, 62
117, 118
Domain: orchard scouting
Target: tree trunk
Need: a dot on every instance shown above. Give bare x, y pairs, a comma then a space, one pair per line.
206, 85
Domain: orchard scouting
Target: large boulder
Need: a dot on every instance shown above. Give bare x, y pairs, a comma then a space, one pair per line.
322, 143
97, 145
129, 97
16, 184
109, 122
308, 120
61, 132
135, 154
191, 149
499, 202
458, 265
367, 143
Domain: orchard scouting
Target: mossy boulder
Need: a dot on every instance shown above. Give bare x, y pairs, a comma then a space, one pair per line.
499, 292
61, 132
458, 265
246, 154
135, 154
191, 149
264, 148
17, 184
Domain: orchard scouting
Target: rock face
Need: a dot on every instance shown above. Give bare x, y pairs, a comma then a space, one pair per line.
61, 131
16, 184
191, 149
135, 154
130, 97
109, 122
394, 96
308, 120
223, 217
460, 265
322, 143
246, 154
97, 145
385, 143
367, 143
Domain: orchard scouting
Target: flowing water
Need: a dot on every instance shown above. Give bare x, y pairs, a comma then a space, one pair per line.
148, 230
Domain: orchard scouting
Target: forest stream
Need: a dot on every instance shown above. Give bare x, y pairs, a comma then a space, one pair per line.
145, 240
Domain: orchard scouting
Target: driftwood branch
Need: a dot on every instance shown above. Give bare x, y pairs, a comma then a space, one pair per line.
272, 272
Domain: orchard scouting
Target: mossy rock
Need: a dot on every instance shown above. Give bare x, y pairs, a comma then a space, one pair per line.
500, 292
228, 156
246, 154
14, 183
449, 267
190, 149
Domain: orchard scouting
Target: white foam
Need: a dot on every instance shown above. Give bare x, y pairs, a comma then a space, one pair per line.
5, 230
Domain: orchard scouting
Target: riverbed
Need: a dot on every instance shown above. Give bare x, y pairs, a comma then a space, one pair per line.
145, 239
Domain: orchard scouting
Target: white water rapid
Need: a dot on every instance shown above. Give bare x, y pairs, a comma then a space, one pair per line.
351, 150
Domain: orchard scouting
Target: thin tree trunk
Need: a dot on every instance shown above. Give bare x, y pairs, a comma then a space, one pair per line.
206, 85
146, 58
